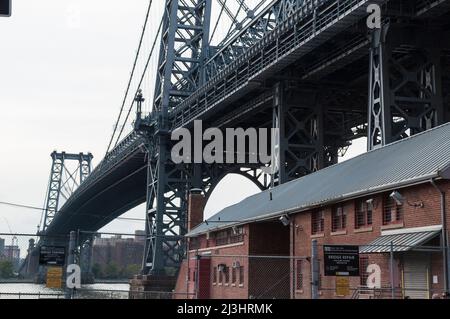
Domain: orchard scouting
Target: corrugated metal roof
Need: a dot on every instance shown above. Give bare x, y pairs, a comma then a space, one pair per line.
400, 242
412, 160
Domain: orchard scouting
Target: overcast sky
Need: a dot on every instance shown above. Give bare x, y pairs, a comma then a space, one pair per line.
64, 66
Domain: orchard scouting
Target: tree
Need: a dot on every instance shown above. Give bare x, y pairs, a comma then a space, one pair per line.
111, 271
6, 269
97, 270
130, 270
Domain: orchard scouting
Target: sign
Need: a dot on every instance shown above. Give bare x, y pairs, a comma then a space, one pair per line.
52, 256
341, 261
5, 8
54, 277
342, 286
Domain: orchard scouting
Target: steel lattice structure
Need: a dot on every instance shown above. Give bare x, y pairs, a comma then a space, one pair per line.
303, 66
60, 180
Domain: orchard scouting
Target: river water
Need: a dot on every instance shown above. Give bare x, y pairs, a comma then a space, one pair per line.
34, 291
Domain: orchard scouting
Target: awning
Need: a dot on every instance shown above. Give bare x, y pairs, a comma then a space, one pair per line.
403, 240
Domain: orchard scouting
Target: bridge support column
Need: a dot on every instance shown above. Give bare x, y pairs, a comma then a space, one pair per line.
405, 85
167, 186
300, 146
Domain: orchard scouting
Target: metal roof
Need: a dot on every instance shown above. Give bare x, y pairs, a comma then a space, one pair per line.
414, 160
401, 242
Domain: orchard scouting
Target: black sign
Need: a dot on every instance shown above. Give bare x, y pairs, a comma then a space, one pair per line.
5, 8
52, 256
341, 261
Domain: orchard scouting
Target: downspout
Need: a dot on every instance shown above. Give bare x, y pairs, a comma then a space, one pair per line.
294, 261
443, 235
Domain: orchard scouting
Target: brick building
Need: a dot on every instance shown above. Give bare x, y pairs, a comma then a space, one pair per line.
392, 203
118, 252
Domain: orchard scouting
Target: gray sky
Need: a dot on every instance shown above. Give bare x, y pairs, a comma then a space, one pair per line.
64, 66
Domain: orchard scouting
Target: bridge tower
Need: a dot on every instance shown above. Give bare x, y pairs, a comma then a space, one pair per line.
183, 52
63, 181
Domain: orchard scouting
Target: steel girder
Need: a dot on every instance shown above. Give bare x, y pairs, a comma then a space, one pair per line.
57, 180
405, 87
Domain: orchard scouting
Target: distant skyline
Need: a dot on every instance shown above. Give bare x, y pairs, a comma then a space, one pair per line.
63, 71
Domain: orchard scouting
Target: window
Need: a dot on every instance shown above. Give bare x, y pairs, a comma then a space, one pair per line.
226, 272
299, 275
363, 275
241, 276
220, 276
339, 219
317, 222
233, 276
363, 214
237, 235
214, 275
392, 212
222, 238
194, 243
230, 236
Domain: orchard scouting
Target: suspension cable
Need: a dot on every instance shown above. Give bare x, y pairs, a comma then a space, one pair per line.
141, 80
131, 75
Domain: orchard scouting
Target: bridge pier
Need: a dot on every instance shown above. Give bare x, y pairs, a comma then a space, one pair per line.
405, 83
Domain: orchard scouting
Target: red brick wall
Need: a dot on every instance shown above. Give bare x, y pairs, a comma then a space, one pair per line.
429, 215
196, 207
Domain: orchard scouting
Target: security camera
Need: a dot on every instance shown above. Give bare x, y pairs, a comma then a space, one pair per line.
399, 199
285, 220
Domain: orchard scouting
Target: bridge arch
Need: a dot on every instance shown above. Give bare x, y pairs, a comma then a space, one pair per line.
250, 181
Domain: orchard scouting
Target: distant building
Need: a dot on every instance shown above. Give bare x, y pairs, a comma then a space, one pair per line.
122, 253
140, 235
12, 253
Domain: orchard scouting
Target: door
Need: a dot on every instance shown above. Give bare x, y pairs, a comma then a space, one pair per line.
415, 276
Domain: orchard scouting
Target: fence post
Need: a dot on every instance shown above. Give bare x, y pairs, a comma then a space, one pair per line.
392, 271
197, 279
71, 259
315, 271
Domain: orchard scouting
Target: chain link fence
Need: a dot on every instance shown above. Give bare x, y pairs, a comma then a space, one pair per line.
392, 271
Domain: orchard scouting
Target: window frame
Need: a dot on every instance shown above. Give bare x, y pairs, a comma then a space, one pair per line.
317, 222
338, 219
363, 214
390, 206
